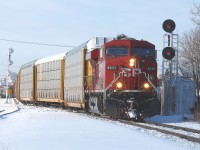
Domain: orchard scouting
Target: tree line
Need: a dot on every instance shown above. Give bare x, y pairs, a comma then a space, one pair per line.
190, 49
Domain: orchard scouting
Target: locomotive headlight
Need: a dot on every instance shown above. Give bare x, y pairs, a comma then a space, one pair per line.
131, 62
146, 85
119, 85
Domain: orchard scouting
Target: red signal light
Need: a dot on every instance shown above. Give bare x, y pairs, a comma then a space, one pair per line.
168, 53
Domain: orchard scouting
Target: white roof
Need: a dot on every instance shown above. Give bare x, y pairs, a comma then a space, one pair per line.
51, 58
97, 42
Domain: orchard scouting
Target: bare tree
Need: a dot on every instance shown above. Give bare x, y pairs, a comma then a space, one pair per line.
190, 55
195, 14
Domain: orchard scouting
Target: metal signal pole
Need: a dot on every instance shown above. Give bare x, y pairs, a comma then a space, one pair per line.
10, 62
169, 67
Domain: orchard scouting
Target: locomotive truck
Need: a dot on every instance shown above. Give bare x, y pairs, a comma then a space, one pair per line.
114, 77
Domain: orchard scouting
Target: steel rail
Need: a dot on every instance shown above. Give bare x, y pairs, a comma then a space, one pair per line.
182, 136
175, 127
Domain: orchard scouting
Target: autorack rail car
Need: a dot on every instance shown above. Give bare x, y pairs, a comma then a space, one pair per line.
25, 83
109, 76
49, 79
74, 74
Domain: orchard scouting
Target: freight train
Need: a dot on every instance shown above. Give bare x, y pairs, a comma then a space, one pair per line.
106, 76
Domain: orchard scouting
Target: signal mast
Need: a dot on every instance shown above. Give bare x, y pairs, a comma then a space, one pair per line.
170, 50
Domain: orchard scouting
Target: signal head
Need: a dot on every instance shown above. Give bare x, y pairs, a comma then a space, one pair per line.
169, 25
168, 53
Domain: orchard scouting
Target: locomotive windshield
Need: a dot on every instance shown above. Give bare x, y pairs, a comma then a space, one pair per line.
120, 51
143, 51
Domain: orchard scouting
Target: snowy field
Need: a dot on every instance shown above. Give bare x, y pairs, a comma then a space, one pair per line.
40, 128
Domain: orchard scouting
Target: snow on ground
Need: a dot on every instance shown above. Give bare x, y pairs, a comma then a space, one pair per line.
177, 120
39, 128
7, 107
187, 124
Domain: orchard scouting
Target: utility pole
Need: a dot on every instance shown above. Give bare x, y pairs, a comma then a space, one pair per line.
10, 62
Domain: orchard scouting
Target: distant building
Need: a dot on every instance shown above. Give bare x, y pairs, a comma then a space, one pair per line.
11, 79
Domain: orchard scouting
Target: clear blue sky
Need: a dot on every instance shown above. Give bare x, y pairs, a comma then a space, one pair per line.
72, 22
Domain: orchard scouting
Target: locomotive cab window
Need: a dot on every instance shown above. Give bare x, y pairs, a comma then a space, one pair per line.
143, 51
118, 51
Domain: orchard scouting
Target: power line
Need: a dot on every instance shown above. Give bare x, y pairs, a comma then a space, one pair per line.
10, 66
1, 75
35, 43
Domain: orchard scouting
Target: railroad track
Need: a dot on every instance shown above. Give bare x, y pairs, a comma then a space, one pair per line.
7, 112
2, 111
192, 135
181, 132
175, 127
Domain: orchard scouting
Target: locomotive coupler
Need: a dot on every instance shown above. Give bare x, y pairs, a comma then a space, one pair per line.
133, 112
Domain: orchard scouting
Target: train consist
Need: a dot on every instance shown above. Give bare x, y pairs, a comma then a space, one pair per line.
115, 77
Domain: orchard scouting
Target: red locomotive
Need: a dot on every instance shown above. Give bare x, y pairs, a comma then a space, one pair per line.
108, 76
121, 76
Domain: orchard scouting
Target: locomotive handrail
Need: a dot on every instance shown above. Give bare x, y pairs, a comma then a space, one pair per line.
155, 88
113, 81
